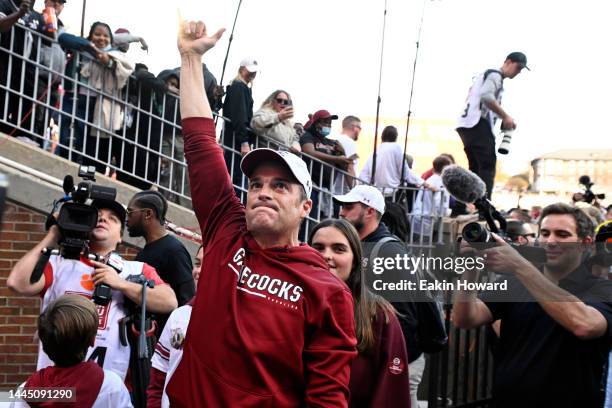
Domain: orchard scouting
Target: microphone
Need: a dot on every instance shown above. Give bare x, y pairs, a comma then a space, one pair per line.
463, 184
585, 181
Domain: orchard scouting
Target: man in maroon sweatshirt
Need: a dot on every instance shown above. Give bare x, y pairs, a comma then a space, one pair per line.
270, 326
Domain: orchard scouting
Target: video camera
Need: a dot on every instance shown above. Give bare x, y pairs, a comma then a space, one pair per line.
467, 187
76, 219
588, 196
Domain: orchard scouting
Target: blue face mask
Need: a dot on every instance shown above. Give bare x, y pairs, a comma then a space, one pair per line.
325, 131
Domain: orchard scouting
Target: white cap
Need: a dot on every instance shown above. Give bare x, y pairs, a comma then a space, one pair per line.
367, 195
250, 64
294, 164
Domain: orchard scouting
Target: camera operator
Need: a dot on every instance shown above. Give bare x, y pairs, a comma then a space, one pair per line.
63, 276
556, 324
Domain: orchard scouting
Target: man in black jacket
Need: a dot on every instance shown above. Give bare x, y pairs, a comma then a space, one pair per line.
363, 207
238, 108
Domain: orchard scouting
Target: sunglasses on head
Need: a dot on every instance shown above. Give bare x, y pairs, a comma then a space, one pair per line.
284, 102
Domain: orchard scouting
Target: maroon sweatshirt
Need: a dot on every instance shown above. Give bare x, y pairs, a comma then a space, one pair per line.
282, 336
86, 378
379, 378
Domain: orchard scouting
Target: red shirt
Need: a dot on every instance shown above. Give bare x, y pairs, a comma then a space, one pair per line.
284, 334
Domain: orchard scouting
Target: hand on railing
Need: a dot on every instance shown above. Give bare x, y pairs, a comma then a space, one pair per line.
244, 148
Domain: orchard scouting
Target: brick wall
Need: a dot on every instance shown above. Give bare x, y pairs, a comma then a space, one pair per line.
22, 228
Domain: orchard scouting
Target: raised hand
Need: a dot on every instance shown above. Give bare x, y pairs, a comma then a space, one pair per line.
193, 38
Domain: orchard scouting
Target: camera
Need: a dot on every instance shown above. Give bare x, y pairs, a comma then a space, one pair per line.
475, 233
588, 196
76, 219
504, 147
603, 245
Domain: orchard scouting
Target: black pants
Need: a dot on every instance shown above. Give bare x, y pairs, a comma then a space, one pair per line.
479, 147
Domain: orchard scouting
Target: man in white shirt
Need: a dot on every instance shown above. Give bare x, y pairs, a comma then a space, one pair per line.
389, 161
351, 127
482, 109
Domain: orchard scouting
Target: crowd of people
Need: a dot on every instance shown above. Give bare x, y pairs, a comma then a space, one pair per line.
94, 105
260, 318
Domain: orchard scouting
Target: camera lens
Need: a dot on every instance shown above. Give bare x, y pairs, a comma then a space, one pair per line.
474, 232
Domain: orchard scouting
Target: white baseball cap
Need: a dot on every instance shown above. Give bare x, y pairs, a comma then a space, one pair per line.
367, 195
294, 164
250, 64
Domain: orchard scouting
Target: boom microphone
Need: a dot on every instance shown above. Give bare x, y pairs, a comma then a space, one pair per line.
463, 184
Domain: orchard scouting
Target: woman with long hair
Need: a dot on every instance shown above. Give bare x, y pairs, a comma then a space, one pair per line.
273, 120
379, 374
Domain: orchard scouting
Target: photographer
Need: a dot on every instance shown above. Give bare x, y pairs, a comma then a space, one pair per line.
556, 324
81, 276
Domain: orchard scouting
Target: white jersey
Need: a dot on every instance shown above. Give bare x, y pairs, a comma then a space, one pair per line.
67, 276
474, 108
169, 348
113, 394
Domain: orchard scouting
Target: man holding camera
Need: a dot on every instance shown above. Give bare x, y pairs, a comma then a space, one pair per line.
556, 324
475, 126
270, 326
67, 276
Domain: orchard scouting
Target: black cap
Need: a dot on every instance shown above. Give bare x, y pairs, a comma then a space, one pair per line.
518, 57
112, 205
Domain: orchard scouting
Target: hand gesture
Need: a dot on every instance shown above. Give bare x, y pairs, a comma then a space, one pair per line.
286, 113
193, 38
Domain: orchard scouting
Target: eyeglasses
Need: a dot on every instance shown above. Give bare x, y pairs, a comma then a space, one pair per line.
130, 212
284, 102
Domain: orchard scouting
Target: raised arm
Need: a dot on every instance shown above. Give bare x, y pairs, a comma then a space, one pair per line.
214, 201
193, 42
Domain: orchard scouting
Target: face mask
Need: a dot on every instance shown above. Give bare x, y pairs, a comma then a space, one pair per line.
325, 131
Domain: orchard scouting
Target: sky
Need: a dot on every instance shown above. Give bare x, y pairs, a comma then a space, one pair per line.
326, 54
